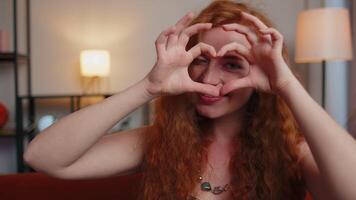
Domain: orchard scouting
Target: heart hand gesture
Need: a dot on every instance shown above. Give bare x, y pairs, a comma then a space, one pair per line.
268, 70
169, 75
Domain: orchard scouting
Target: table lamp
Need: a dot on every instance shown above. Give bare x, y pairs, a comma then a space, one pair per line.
322, 35
94, 64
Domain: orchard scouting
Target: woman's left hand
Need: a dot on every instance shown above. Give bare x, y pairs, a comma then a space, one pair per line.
268, 70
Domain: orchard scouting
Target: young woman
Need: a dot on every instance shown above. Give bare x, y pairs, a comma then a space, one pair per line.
232, 121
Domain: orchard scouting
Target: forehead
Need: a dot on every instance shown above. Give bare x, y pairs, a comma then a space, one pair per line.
218, 37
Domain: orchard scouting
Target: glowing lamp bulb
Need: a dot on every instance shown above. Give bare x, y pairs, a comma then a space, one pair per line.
95, 63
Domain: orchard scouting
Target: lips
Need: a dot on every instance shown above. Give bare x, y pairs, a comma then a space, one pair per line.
207, 99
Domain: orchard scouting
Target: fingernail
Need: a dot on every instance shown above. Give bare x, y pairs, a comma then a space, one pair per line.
190, 13
225, 26
264, 32
209, 25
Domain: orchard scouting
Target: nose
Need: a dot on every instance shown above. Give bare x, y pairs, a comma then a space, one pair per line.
211, 75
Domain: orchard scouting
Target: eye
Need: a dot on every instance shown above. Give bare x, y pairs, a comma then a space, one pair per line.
232, 66
200, 61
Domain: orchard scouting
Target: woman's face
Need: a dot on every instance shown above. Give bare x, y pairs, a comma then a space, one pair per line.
219, 71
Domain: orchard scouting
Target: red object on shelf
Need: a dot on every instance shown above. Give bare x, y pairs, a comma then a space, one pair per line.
4, 115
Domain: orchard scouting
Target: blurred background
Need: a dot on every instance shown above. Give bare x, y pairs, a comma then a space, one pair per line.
59, 56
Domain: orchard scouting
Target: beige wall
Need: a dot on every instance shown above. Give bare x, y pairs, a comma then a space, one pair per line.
352, 82
126, 28
61, 29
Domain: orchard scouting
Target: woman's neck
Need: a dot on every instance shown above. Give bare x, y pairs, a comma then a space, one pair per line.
224, 128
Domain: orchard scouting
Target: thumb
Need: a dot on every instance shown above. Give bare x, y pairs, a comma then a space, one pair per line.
236, 84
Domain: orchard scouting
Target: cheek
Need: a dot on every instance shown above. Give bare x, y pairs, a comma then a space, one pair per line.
231, 76
240, 97
195, 71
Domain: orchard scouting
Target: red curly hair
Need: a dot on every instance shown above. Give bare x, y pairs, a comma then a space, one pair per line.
265, 163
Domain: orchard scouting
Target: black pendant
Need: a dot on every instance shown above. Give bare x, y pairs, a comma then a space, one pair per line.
205, 186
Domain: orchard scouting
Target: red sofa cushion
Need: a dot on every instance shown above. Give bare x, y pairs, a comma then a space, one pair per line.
35, 185
39, 186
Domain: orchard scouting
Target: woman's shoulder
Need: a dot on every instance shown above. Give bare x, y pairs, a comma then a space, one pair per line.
311, 174
305, 155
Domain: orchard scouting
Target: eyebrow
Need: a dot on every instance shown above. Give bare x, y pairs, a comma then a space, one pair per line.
226, 56
232, 56
204, 55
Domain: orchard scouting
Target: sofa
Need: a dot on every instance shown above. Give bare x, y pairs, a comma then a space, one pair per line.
39, 186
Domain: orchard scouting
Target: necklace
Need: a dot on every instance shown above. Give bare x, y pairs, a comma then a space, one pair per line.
206, 186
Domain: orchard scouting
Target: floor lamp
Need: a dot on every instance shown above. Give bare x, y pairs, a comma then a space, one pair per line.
323, 34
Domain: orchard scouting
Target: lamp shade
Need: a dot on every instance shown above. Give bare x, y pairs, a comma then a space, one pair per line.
95, 63
323, 34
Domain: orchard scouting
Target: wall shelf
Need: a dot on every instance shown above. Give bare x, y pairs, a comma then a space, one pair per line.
16, 59
11, 132
22, 133
11, 57
7, 133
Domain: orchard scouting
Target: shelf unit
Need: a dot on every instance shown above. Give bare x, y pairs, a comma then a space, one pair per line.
10, 57
15, 59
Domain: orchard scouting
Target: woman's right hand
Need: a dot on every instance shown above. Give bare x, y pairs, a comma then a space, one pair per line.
170, 76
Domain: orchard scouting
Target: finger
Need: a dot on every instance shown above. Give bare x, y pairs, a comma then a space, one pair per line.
238, 48
277, 37
205, 89
184, 21
162, 39
255, 20
172, 40
250, 35
192, 30
200, 48
236, 84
